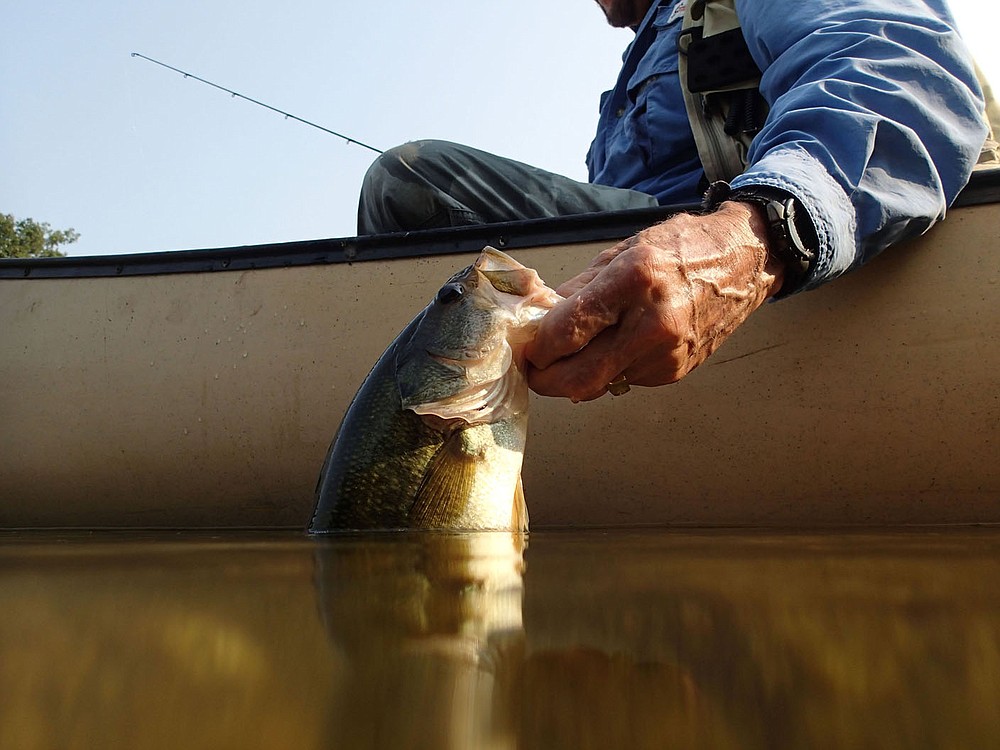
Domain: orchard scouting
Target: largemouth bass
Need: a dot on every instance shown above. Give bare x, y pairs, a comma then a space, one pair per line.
435, 436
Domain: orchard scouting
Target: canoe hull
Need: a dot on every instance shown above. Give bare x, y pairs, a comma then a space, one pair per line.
209, 399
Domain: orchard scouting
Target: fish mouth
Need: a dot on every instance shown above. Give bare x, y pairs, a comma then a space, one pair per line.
491, 259
516, 288
493, 384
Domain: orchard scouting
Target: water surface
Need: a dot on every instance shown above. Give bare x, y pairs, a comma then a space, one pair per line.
638, 639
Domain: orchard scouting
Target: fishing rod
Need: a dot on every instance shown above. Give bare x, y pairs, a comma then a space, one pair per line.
287, 115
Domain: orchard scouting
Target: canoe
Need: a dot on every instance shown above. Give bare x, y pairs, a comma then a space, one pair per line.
202, 388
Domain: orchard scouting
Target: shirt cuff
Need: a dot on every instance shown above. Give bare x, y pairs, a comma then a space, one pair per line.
826, 203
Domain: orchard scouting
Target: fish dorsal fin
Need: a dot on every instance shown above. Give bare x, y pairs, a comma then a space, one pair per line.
446, 484
519, 515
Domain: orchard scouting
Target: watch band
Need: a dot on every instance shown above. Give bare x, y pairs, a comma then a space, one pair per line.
790, 233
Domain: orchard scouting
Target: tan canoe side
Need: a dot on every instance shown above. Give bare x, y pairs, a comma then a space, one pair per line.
874, 400
210, 399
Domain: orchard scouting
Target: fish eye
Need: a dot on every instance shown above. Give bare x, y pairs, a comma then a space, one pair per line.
450, 293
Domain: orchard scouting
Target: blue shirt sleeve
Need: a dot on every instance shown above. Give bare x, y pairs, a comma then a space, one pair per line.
876, 118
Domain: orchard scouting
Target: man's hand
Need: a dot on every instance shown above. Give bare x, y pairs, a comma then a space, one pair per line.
655, 306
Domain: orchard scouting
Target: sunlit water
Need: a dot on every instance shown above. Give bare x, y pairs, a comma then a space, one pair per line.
620, 639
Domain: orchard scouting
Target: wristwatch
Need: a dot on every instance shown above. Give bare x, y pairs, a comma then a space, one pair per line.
791, 236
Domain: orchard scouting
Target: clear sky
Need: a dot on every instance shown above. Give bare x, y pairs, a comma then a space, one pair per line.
137, 158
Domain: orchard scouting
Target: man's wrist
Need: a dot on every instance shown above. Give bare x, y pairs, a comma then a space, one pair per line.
791, 237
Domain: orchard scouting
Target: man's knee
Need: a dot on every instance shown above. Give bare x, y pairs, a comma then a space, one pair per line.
407, 187
409, 162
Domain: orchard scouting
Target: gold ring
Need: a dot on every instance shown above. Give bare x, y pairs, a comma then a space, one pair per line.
619, 386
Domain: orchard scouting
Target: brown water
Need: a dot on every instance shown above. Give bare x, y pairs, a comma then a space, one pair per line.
623, 639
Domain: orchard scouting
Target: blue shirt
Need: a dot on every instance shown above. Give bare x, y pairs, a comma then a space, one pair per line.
876, 118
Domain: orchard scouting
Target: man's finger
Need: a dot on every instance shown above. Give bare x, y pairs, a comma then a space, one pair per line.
574, 322
572, 286
585, 374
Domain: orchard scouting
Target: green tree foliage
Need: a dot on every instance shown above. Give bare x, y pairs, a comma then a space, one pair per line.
27, 238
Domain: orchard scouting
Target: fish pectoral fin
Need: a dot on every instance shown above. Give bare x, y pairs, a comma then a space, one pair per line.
519, 514
446, 486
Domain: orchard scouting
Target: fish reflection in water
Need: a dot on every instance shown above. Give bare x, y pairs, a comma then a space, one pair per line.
429, 627
579, 640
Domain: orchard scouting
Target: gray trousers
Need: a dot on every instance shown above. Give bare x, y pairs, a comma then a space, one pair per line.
434, 184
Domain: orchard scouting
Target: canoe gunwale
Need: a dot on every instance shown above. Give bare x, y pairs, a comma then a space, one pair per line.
513, 235
984, 187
